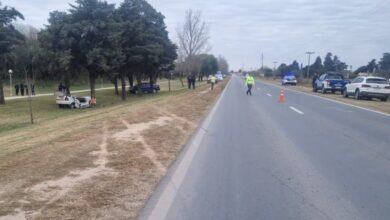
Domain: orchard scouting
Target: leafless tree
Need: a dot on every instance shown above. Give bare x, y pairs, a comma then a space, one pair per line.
193, 37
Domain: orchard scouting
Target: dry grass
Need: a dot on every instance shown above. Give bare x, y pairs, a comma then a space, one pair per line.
374, 104
85, 171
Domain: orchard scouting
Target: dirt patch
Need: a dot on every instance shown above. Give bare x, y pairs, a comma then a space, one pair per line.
104, 166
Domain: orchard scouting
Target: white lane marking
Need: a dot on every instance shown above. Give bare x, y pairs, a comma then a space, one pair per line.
331, 100
269, 95
296, 110
164, 203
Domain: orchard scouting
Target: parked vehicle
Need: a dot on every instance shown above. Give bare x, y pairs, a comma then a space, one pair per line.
69, 101
289, 80
330, 81
145, 88
368, 87
219, 77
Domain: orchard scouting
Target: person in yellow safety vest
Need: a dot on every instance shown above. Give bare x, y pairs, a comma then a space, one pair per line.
250, 81
213, 79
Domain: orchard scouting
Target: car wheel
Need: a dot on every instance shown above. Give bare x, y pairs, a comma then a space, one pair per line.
323, 90
384, 99
314, 88
357, 95
333, 91
345, 93
73, 106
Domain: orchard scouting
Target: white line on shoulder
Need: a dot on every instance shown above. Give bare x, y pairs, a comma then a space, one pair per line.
296, 110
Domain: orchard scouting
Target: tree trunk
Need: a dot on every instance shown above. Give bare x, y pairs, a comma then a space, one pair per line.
2, 99
67, 85
131, 80
151, 80
123, 81
181, 80
30, 100
92, 84
115, 81
139, 82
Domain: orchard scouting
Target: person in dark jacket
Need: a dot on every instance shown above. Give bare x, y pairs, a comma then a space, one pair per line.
21, 89
17, 89
189, 81
315, 77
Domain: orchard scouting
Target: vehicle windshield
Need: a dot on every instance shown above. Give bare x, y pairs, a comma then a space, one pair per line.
377, 81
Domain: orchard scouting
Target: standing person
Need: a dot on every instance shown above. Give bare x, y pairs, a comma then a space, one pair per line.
213, 79
189, 81
21, 89
315, 77
33, 89
250, 81
193, 81
17, 89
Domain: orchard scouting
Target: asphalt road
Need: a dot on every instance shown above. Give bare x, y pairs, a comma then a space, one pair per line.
254, 158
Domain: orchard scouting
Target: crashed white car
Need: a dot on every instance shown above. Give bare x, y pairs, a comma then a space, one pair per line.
69, 101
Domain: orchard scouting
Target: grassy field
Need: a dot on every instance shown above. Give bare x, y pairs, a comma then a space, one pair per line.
15, 114
99, 163
374, 104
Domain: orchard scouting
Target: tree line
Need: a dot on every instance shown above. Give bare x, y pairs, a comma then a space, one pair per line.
95, 39
381, 68
331, 63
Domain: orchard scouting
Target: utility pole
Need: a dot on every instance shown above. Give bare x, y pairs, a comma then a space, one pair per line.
262, 61
308, 65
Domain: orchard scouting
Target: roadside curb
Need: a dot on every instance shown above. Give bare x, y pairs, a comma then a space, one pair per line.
159, 204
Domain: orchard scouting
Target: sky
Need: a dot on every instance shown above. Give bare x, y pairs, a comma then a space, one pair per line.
282, 30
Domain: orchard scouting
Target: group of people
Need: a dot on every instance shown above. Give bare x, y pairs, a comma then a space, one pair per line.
24, 89
191, 80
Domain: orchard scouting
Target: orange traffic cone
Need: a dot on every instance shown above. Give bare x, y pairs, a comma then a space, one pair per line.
281, 97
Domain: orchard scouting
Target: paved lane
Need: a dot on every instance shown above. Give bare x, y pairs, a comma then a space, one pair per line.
257, 159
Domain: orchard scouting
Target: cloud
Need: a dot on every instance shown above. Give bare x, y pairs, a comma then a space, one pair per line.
355, 30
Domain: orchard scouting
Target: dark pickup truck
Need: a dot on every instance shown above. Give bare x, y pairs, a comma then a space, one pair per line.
330, 82
145, 88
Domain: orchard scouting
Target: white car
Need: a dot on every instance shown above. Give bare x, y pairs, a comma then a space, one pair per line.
368, 87
69, 101
219, 77
289, 80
